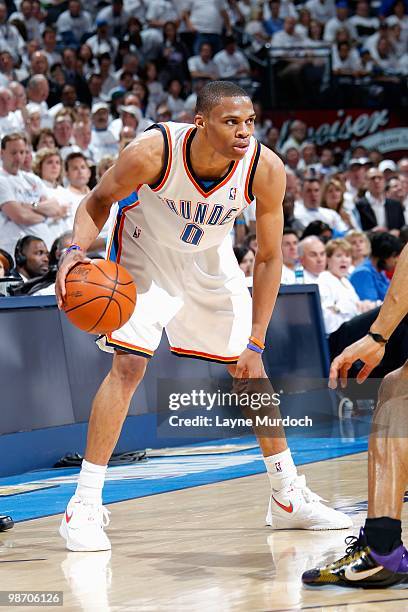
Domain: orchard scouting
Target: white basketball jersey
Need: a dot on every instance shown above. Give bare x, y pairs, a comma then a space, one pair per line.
181, 211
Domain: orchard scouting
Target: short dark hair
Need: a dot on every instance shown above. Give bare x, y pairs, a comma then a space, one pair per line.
384, 245
11, 138
212, 93
74, 155
287, 231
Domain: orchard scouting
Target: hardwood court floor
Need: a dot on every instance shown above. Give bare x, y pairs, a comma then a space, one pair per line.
198, 550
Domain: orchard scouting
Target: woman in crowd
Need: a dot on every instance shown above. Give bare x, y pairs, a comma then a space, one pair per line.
333, 198
44, 139
246, 260
339, 299
360, 248
48, 166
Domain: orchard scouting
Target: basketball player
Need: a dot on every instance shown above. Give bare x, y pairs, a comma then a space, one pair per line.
187, 183
377, 558
6, 522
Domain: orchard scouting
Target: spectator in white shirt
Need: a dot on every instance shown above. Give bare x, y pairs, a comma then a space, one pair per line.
345, 60
231, 62
160, 11
339, 299
82, 132
63, 126
103, 142
312, 256
174, 101
10, 38
333, 199
25, 15
9, 122
310, 210
77, 173
364, 24
48, 166
297, 135
207, 19
116, 17
338, 22
101, 42
202, 66
288, 37
24, 202
50, 45
74, 23
38, 91
321, 10
290, 256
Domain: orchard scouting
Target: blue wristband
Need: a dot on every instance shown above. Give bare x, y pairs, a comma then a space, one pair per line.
253, 347
73, 247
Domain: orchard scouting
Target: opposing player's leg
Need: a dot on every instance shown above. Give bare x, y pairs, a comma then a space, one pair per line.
84, 520
377, 558
292, 505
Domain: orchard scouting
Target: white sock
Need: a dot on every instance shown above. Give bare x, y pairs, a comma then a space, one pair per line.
90, 482
281, 469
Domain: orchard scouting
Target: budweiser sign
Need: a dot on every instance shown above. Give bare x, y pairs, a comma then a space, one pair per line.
341, 128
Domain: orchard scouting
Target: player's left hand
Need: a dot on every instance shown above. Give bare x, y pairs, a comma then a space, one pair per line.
249, 365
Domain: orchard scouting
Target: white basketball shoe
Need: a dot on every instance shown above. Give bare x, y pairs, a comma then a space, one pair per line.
297, 507
82, 526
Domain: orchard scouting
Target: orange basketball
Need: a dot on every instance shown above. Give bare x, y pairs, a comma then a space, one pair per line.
100, 296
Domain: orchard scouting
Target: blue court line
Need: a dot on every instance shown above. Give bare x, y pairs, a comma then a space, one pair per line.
160, 474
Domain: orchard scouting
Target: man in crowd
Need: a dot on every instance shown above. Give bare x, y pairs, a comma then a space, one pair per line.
24, 205
290, 256
376, 210
31, 257
310, 210
312, 256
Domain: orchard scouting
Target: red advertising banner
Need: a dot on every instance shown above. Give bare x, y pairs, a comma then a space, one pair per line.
375, 129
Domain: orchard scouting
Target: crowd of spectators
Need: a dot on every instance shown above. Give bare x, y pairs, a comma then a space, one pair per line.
78, 81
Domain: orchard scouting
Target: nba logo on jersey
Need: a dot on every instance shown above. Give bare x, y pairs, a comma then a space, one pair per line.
137, 232
232, 193
278, 466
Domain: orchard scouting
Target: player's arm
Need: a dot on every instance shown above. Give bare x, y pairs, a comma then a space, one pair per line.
269, 189
140, 162
367, 350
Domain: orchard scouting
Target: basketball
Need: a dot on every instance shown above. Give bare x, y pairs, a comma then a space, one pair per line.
100, 296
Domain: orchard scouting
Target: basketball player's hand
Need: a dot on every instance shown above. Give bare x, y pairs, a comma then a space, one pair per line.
366, 350
249, 365
67, 262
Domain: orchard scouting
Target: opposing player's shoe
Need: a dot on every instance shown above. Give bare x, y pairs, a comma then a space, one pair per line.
297, 507
6, 522
83, 525
362, 567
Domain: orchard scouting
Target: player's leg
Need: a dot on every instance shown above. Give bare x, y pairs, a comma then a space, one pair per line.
111, 405
85, 518
292, 505
377, 557
6, 522
216, 322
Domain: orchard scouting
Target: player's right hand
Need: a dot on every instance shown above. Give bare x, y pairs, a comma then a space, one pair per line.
67, 262
366, 350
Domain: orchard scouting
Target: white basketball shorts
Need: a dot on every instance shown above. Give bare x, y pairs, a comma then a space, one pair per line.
200, 299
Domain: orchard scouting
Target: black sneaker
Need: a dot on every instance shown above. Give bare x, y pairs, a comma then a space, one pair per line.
362, 567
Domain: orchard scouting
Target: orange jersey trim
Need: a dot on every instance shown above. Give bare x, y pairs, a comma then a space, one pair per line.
205, 194
122, 222
129, 346
251, 165
190, 353
168, 161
